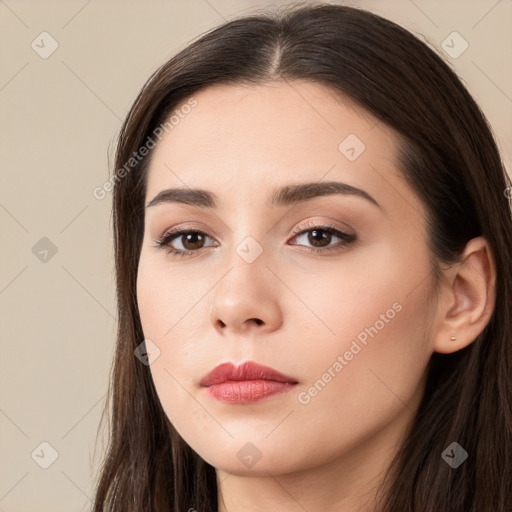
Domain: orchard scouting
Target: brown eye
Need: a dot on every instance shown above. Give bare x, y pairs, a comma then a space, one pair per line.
320, 238
190, 240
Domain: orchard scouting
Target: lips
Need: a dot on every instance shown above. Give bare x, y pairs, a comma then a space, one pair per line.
245, 384
246, 371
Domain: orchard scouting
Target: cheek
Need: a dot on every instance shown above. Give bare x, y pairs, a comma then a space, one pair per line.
173, 309
365, 344
375, 297
168, 301
359, 384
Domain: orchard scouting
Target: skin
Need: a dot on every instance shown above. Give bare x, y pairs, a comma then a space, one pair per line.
240, 142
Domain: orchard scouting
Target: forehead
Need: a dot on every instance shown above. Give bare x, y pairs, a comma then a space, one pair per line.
240, 139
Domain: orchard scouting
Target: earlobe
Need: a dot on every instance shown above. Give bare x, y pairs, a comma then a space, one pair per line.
468, 298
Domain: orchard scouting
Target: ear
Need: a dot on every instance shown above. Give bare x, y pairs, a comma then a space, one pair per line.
467, 298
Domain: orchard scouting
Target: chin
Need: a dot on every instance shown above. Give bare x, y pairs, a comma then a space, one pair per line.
247, 459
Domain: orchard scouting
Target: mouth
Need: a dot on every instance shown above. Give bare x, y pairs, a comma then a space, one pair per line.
247, 383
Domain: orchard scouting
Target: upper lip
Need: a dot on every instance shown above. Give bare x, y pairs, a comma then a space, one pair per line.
246, 371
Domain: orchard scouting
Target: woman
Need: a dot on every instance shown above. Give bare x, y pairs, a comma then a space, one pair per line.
312, 241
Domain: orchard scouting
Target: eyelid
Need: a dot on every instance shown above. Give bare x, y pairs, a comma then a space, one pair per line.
185, 227
310, 224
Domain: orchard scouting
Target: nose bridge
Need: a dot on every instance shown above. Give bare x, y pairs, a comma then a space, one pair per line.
249, 238
247, 260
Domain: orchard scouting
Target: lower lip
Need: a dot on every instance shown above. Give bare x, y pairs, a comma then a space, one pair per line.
247, 391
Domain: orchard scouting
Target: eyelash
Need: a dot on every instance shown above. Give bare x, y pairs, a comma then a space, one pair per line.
164, 241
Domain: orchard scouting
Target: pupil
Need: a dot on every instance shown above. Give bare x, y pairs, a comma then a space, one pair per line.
190, 238
321, 238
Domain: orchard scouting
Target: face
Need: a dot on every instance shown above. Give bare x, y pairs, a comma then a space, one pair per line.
330, 289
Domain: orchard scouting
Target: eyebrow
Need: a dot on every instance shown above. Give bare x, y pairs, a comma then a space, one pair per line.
281, 196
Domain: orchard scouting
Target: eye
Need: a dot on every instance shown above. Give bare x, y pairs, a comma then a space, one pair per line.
320, 236
190, 240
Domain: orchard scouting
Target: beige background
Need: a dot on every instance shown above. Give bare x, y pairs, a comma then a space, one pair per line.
60, 117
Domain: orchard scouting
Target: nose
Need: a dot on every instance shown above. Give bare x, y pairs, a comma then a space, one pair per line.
246, 299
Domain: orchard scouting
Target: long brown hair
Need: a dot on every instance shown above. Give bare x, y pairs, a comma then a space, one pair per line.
450, 159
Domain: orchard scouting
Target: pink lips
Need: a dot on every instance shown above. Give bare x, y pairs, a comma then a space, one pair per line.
247, 383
